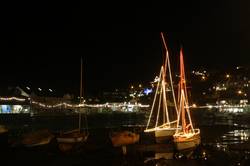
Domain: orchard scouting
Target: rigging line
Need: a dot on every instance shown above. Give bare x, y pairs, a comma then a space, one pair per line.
180, 111
172, 86
183, 74
183, 116
165, 46
179, 116
165, 101
80, 116
185, 90
159, 106
152, 108
188, 112
167, 62
82, 97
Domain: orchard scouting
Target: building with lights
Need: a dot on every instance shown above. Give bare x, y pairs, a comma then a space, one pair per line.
20, 103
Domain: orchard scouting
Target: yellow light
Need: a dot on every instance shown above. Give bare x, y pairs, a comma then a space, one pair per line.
194, 105
239, 92
140, 85
11, 98
227, 76
132, 87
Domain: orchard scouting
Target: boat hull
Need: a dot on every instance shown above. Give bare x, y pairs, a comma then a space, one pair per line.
184, 143
164, 135
70, 140
37, 138
42, 142
39, 141
73, 136
124, 138
164, 132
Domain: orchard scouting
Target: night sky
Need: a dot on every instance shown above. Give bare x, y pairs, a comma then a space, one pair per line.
41, 44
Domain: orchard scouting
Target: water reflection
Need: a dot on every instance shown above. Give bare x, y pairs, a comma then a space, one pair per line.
164, 155
225, 141
234, 137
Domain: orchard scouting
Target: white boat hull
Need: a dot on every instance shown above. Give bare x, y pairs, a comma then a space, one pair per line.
164, 132
164, 135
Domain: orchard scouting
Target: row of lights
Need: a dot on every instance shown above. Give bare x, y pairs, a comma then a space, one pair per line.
74, 105
40, 89
11, 99
111, 105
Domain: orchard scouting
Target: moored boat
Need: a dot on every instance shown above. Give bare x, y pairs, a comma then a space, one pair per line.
187, 140
37, 138
165, 131
188, 137
68, 140
123, 138
164, 104
72, 136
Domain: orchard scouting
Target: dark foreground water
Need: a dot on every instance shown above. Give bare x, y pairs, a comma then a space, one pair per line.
225, 141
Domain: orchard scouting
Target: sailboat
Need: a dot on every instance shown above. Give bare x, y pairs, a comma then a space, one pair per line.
166, 113
67, 140
188, 137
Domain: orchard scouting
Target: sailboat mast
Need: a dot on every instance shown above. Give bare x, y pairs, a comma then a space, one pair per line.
165, 108
167, 64
186, 103
80, 116
81, 83
165, 46
183, 90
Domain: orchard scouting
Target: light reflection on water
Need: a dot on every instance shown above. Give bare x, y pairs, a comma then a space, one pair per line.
235, 136
228, 135
231, 138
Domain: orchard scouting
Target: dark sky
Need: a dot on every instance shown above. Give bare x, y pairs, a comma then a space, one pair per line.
41, 44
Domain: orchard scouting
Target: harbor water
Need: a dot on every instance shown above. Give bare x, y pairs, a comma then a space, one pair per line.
224, 140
